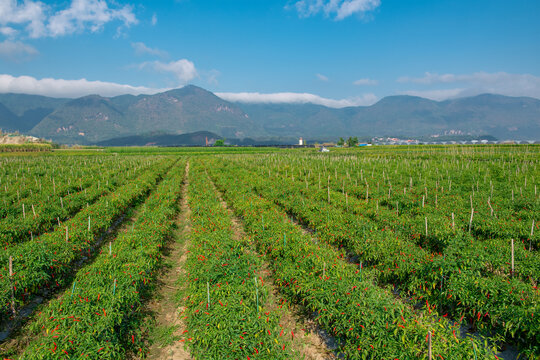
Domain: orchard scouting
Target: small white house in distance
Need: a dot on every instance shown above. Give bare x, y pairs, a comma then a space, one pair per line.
301, 142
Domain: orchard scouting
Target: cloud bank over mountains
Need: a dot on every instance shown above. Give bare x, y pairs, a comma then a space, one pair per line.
184, 71
472, 84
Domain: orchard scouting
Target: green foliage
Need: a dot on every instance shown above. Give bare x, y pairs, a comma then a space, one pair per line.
352, 141
368, 320
100, 312
25, 147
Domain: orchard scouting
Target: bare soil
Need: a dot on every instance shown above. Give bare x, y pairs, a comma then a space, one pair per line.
164, 306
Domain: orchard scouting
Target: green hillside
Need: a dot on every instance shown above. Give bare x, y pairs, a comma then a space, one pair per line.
92, 119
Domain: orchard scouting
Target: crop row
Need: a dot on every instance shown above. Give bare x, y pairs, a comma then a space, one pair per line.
226, 306
367, 321
40, 179
432, 230
412, 187
18, 228
48, 260
503, 306
100, 316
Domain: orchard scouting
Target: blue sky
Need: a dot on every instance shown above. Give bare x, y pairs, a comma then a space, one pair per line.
332, 52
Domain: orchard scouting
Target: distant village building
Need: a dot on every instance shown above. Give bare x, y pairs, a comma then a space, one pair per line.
301, 142
323, 149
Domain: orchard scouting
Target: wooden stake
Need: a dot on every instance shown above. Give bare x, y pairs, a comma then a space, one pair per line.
12, 288
67, 234
23, 212
512, 257
470, 221
208, 294
429, 346
88, 223
530, 237
453, 223
257, 293
33, 210
426, 227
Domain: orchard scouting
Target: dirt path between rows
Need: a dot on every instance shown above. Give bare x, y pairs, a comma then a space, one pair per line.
309, 342
169, 326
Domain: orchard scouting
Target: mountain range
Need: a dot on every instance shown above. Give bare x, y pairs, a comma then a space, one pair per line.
96, 119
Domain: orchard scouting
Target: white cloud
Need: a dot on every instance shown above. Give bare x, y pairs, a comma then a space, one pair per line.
184, 70
16, 50
41, 20
480, 82
88, 13
141, 49
30, 14
321, 77
212, 76
297, 98
68, 88
366, 82
8, 31
437, 95
154, 19
340, 9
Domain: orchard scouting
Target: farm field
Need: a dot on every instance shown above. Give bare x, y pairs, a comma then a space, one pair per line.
410, 252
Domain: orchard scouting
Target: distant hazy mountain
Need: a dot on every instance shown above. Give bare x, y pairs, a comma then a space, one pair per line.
93, 119
22, 112
408, 116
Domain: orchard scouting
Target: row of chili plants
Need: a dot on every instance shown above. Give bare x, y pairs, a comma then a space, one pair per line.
56, 176
48, 260
367, 321
419, 191
51, 177
495, 305
45, 214
432, 229
227, 314
101, 315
